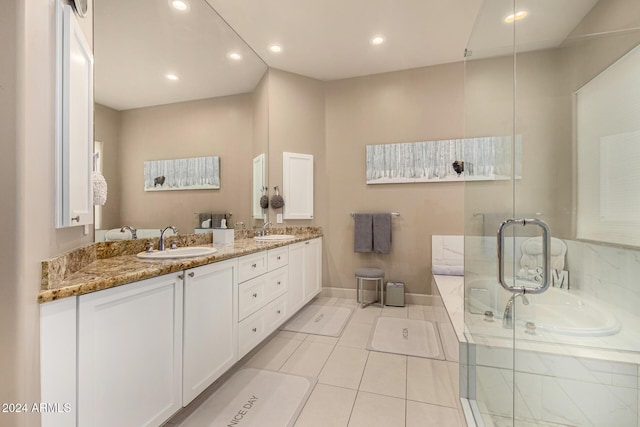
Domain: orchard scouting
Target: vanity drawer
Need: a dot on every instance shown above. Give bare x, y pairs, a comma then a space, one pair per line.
251, 266
275, 313
251, 296
276, 284
277, 258
250, 332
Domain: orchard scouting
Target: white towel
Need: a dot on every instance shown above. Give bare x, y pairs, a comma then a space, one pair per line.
447, 270
99, 188
116, 234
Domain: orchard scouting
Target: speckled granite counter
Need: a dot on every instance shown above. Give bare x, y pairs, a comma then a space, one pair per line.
105, 265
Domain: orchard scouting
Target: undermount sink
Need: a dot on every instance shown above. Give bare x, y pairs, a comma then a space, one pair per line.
186, 252
274, 238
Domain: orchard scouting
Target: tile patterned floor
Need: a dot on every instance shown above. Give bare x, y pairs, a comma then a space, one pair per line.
357, 387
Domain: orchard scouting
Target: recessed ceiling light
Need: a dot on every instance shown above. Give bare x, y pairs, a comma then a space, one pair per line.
275, 48
234, 55
377, 40
180, 5
172, 77
516, 16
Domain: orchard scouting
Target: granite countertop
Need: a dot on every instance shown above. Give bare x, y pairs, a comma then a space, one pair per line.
105, 265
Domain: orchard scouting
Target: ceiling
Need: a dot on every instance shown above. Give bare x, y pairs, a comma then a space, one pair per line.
137, 43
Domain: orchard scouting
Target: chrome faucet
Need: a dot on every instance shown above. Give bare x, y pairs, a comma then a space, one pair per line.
264, 228
131, 229
161, 241
507, 318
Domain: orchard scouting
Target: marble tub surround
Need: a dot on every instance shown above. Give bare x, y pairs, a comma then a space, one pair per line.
107, 264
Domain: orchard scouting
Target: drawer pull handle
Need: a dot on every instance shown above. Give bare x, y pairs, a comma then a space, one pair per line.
278, 258
255, 295
255, 329
279, 282
306, 243
254, 265
192, 274
75, 218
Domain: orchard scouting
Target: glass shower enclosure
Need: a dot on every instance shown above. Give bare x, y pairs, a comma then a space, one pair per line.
560, 81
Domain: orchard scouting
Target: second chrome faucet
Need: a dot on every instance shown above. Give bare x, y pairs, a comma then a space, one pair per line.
161, 240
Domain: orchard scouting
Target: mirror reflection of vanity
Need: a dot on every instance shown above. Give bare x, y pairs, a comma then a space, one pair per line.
173, 84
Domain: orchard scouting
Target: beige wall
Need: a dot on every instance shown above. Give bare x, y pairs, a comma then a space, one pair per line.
297, 124
107, 131
210, 127
414, 105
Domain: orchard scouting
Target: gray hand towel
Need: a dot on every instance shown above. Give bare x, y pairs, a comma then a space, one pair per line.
217, 218
363, 233
382, 233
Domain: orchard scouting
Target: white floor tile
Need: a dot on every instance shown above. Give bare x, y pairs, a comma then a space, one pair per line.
385, 374
429, 381
327, 406
308, 359
355, 334
292, 335
274, 354
424, 414
366, 315
322, 339
395, 312
325, 300
374, 410
345, 367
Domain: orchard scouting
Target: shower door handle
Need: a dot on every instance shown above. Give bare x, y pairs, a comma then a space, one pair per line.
546, 253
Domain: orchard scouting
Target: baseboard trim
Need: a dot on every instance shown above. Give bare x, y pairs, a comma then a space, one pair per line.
417, 299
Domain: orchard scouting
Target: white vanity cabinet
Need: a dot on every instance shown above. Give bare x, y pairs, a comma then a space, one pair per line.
262, 301
210, 325
130, 353
305, 272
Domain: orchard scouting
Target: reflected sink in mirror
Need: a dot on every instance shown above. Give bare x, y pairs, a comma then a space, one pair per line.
274, 238
186, 252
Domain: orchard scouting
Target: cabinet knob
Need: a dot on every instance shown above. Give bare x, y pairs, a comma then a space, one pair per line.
278, 258
307, 242
75, 218
279, 282
255, 295
278, 311
255, 329
192, 274
254, 265
180, 276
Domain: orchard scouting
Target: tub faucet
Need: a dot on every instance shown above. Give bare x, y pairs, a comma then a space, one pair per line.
161, 241
507, 318
131, 229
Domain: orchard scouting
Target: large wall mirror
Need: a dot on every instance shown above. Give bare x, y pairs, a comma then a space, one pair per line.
173, 83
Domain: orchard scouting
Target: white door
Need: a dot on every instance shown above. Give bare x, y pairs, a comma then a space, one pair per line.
296, 276
130, 354
210, 325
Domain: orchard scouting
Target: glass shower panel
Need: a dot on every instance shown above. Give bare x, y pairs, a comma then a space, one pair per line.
571, 355
489, 97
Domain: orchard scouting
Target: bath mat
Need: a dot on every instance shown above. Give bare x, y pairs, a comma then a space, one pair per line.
319, 319
254, 398
409, 337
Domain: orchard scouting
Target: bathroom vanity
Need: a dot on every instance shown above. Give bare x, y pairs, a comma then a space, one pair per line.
135, 353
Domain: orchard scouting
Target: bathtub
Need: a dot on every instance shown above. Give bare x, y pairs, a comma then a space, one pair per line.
556, 311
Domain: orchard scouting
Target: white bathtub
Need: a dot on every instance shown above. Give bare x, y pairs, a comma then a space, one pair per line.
556, 311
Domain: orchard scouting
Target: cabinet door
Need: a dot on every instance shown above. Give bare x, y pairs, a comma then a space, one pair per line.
210, 325
74, 122
297, 185
130, 354
295, 290
312, 268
